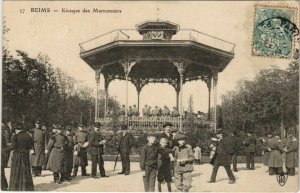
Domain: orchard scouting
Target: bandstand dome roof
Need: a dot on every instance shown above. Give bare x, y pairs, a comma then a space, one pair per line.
154, 46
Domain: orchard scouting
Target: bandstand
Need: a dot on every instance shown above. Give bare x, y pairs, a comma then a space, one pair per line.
157, 52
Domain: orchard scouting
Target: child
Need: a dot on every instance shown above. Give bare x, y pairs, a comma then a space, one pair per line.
197, 154
164, 164
149, 162
183, 164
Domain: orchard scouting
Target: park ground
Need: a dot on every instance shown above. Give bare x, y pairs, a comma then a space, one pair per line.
247, 181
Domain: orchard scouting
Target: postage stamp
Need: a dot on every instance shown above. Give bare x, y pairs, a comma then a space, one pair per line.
274, 31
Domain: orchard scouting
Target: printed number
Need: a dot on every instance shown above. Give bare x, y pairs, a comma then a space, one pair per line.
22, 11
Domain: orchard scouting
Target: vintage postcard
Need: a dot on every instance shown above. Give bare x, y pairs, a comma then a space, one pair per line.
150, 96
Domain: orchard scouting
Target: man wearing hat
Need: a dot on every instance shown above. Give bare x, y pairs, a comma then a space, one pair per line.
57, 148
81, 143
291, 149
223, 156
69, 154
125, 145
167, 134
276, 149
250, 147
184, 158
38, 153
96, 145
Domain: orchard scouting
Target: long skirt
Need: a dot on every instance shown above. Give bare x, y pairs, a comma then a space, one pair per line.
20, 175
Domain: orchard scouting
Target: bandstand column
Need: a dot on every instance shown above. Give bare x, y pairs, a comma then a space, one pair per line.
177, 98
180, 67
138, 102
209, 97
127, 65
105, 102
97, 77
215, 83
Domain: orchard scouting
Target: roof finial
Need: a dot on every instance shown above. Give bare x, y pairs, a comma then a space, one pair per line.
157, 14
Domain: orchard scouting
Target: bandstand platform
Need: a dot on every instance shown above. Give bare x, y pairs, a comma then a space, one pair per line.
157, 52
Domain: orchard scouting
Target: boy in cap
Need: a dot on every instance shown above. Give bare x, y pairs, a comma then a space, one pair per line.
164, 164
149, 162
184, 159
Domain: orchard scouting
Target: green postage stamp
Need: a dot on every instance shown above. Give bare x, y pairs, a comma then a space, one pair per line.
274, 31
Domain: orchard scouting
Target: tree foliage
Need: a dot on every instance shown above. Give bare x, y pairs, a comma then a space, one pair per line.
270, 100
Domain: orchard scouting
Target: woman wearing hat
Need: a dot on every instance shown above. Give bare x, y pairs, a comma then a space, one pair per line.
20, 176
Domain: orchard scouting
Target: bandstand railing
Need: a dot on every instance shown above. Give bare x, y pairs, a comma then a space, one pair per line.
153, 123
133, 34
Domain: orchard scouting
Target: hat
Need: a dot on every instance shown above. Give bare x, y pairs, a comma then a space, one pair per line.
80, 125
44, 124
174, 129
37, 121
124, 127
180, 136
151, 134
98, 125
18, 126
167, 124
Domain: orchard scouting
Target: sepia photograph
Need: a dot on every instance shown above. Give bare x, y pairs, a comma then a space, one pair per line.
150, 96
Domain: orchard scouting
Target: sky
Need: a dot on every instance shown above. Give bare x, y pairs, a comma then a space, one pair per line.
58, 35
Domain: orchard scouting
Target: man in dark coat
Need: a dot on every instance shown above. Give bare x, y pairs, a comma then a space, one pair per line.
48, 135
234, 143
20, 174
96, 143
223, 158
81, 143
266, 147
167, 134
275, 161
38, 156
250, 147
291, 149
57, 148
4, 184
69, 155
7, 134
125, 145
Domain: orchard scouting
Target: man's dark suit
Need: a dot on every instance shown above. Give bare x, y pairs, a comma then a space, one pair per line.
224, 153
125, 145
250, 143
96, 151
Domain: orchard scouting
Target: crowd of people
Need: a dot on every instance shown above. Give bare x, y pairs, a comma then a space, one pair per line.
165, 157
148, 111
225, 147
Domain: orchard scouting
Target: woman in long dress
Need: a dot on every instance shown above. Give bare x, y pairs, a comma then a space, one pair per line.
20, 176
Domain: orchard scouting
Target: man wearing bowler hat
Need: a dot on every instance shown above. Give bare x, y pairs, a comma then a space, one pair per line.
125, 145
167, 134
96, 143
250, 147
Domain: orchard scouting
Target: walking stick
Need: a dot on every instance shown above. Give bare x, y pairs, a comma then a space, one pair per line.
116, 161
